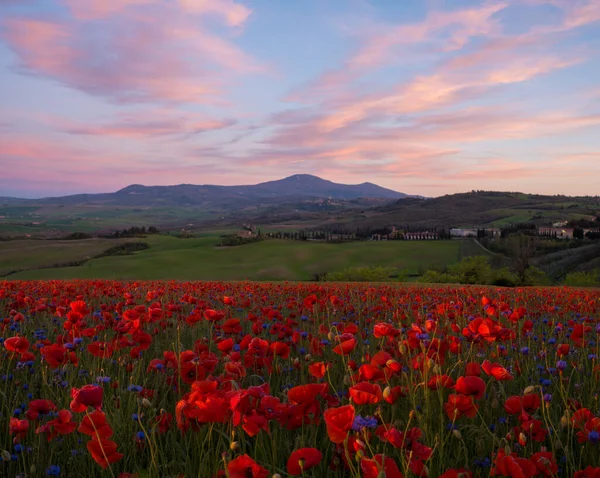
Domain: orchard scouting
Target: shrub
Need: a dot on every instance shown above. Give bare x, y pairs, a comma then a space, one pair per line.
583, 279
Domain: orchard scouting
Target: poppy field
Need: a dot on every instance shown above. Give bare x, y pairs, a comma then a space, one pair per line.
259, 380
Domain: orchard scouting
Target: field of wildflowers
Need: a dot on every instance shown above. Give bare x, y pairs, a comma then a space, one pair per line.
240, 380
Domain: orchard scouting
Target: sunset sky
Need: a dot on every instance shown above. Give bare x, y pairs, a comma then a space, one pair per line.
425, 97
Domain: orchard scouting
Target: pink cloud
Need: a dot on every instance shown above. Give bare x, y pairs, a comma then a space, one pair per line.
145, 124
135, 50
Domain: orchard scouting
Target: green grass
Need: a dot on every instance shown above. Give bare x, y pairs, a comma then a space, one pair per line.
30, 254
199, 259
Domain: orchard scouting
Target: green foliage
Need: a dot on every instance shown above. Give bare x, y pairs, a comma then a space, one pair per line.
233, 240
504, 278
366, 274
472, 270
536, 276
583, 279
124, 249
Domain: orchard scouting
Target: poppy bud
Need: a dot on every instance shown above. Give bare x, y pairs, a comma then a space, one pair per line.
507, 450
495, 403
457, 434
359, 455
234, 446
529, 390
347, 380
430, 363
308, 357
522, 439
387, 391
5, 455
276, 475
32, 469
146, 402
564, 422
402, 349
296, 361
330, 336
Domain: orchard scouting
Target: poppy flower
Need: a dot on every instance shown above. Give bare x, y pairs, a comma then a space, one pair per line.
339, 421
472, 369
345, 347
513, 466
365, 393
103, 451
391, 394
39, 407
16, 344
588, 472
95, 424
496, 370
86, 396
18, 427
302, 460
372, 468
470, 385
306, 393
460, 405
318, 369
454, 473
245, 467
527, 403
545, 463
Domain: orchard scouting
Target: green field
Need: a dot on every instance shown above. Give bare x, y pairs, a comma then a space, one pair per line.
198, 259
26, 254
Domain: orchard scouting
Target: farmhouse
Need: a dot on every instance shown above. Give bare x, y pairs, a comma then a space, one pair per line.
558, 232
457, 232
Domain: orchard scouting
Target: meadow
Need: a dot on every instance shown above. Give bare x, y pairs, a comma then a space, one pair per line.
247, 379
199, 259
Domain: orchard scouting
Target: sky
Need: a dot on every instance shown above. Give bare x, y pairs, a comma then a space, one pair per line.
426, 97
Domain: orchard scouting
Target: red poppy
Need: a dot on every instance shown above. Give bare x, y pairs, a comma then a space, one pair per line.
588, 472
306, 393
391, 394
496, 370
527, 403
460, 405
513, 466
86, 396
214, 315
19, 427
470, 386
454, 473
440, 381
302, 460
39, 407
345, 347
95, 424
545, 463
16, 344
245, 467
103, 451
339, 421
318, 369
365, 393
373, 468
472, 369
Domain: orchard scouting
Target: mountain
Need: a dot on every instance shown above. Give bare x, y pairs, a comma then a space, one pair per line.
297, 187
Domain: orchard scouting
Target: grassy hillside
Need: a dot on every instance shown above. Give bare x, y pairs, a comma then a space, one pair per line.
30, 254
199, 259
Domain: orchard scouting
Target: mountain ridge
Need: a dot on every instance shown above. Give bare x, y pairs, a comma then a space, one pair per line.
296, 186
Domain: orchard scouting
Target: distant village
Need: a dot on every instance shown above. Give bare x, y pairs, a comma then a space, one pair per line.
558, 230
